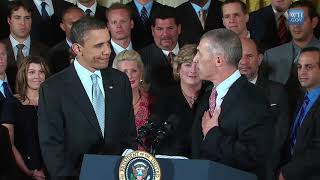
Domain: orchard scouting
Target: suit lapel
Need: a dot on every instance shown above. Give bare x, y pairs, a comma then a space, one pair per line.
194, 16
78, 94
10, 54
108, 91
232, 96
308, 120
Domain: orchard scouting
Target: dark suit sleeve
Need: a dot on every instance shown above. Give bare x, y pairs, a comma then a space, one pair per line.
129, 139
307, 163
249, 147
51, 131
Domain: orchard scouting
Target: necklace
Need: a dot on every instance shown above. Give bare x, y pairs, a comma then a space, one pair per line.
191, 99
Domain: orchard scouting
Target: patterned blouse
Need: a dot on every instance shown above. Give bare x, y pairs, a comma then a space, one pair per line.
142, 112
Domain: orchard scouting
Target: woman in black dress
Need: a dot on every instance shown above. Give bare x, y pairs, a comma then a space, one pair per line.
20, 117
180, 101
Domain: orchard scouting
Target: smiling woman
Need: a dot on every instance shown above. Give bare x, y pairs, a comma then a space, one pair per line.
20, 117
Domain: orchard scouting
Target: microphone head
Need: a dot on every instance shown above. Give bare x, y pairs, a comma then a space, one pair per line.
172, 123
149, 127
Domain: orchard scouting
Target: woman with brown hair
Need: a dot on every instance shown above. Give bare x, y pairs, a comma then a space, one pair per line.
20, 117
129, 62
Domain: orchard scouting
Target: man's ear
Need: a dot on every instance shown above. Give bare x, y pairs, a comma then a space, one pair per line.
77, 49
260, 58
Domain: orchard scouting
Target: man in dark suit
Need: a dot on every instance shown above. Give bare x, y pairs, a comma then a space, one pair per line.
157, 57
85, 108
4, 88
61, 55
92, 8
46, 19
120, 24
19, 44
142, 14
193, 25
235, 17
277, 96
269, 25
237, 133
304, 142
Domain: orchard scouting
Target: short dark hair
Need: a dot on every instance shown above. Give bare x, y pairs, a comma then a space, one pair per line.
117, 5
81, 27
243, 5
310, 49
16, 5
303, 3
68, 10
164, 13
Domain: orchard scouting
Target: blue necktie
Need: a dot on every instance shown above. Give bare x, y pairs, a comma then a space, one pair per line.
98, 102
7, 90
298, 122
44, 14
144, 16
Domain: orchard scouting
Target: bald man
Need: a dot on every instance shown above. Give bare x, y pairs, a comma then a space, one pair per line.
275, 93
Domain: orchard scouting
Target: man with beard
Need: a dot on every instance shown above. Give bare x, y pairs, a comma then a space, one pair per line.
197, 17
157, 57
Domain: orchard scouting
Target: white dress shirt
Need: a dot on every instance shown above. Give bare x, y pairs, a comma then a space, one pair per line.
223, 87
26, 48
49, 6
118, 49
92, 8
175, 50
85, 78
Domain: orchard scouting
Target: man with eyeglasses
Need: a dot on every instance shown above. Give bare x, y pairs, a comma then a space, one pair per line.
304, 138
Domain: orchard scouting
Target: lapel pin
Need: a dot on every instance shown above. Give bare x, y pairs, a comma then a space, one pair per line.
110, 87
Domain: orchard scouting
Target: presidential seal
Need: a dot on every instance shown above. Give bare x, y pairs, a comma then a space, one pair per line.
139, 165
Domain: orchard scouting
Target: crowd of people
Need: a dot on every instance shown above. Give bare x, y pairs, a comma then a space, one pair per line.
243, 89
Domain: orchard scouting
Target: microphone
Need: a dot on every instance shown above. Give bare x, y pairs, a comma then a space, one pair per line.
148, 128
168, 127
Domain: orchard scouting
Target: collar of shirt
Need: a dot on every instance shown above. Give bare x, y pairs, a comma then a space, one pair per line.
223, 88
49, 7
1, 87
175, 50
92, 8
85, 78
69, 42
254, 80
197, 8
248, 35
278, 14
26, 48
148, 6
117, 49
296, 49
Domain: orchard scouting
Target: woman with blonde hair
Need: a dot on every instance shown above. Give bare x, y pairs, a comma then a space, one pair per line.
20, 117
129, 62
181, 101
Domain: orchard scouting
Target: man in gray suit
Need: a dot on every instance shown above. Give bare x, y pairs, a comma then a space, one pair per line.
85, 108
281, 61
